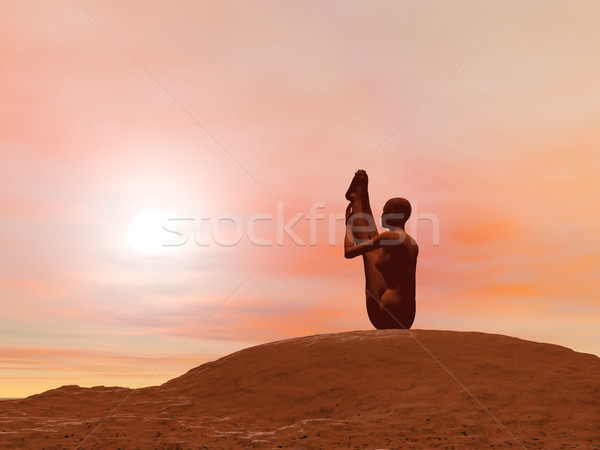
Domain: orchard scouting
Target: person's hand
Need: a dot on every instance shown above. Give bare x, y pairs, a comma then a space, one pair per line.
348, 213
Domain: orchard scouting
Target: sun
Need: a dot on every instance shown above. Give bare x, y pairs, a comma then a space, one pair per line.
146, 232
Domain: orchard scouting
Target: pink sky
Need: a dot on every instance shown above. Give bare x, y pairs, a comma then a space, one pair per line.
101, 120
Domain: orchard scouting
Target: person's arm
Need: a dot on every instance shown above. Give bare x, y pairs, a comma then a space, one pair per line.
352, 250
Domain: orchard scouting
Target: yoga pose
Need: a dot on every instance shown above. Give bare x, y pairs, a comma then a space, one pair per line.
390, 257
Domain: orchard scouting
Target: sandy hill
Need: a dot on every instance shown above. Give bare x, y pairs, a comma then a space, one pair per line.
360, 389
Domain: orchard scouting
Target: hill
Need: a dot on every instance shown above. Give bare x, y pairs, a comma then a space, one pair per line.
359, 389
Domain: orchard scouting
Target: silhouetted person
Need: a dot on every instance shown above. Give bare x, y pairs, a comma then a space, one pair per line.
390, 257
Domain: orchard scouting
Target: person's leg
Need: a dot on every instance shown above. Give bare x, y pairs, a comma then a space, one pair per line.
363, 227
366, 206
363, 224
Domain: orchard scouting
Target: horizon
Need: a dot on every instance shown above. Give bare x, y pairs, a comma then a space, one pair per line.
229, 133
291, 339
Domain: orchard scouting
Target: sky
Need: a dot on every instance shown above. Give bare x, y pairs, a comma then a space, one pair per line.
240, 125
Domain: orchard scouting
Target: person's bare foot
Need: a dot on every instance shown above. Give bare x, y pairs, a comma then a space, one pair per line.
351, 192
358, 185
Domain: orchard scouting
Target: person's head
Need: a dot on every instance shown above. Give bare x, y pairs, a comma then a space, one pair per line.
396, 212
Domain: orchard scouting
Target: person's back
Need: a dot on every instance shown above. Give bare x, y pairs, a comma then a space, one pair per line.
397, 262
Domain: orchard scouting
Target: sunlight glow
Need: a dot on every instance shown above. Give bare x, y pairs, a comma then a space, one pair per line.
146, 232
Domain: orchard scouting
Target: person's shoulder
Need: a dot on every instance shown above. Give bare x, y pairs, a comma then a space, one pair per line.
404, 238
391, 238
410, 241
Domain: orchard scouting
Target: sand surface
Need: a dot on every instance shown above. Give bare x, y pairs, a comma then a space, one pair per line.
360, 389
